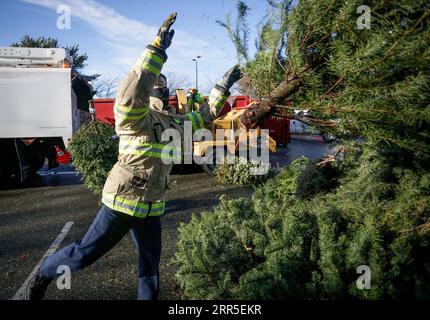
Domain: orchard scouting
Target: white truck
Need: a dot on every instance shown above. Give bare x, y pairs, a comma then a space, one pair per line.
42, 102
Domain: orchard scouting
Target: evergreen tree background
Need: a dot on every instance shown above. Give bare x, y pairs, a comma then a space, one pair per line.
79, 59
304, 233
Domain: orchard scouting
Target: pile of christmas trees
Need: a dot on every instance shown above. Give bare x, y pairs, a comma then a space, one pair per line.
304, 233
242, 172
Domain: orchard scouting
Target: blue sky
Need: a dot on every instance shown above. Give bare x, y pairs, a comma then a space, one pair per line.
114, 32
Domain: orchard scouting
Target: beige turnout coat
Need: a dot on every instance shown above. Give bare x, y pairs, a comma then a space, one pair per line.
138, 181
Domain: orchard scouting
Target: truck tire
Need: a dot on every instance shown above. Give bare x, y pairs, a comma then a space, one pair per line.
8, 178
4, 170
37, 163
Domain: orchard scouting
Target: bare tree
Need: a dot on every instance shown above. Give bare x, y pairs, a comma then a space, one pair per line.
176, 81
106, 87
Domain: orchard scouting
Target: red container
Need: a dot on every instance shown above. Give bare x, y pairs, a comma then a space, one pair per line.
241, 102
173, 101
279, 129
104, 110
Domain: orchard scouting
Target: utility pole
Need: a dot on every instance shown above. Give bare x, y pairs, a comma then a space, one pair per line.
197, 75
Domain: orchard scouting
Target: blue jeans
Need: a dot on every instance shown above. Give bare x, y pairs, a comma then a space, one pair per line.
107, 229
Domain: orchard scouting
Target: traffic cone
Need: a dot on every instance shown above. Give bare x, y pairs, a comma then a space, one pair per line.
62, 157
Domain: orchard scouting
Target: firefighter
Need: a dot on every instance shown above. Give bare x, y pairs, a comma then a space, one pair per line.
133, 195
195, 99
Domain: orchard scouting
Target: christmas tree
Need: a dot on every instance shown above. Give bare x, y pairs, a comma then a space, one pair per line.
94, 152
364, 73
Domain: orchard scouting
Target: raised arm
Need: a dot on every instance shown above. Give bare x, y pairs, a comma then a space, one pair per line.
219, 94
132, 101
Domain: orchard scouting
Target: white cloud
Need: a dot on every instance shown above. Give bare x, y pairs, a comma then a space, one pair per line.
127, 37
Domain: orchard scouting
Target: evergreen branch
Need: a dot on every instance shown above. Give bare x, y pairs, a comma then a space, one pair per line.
280, 64
208, 271
332, 87
320, 40
341, 109
388, 53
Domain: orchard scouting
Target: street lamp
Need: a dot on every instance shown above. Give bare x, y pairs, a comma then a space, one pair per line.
197, 76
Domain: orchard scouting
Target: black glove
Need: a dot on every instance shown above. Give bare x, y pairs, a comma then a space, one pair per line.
165, 35
231, 76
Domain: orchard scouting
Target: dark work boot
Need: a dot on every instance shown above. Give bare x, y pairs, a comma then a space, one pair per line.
34, 289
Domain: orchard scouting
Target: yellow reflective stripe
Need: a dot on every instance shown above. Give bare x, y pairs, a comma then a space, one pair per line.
151, 150
131, 117
217, 99
127, 113
134, 208
157, 59
196, 120
152, 63
149, 57
131, 110
193, 122
151, 154
132, 203
147, 144
153, 59
200, 122
157, 208
120, 209
219, 102
152, 69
